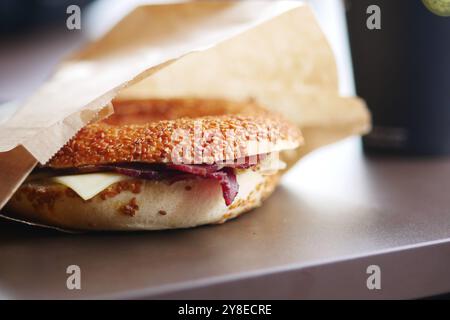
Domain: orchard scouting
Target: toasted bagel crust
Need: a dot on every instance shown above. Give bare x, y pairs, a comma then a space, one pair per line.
152, 131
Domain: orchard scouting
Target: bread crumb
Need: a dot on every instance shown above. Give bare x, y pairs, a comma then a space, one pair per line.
130, 208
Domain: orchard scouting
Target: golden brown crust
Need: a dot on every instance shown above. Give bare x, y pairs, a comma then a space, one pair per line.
189, 130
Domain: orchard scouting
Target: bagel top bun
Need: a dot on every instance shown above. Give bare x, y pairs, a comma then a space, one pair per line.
194, 131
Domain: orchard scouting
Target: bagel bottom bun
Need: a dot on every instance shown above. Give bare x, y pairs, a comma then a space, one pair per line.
140, 204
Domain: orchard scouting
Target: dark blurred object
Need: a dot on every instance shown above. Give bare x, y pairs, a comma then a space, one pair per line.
403, 72
21, 15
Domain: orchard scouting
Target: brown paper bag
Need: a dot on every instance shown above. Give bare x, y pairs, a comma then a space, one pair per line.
273, 52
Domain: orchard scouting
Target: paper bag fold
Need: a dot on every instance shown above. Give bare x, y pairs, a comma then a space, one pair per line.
270, 51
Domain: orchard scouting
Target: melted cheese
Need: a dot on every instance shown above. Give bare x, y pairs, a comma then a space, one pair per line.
89, 185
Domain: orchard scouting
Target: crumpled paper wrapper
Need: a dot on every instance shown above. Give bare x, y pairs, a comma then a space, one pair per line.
271, 51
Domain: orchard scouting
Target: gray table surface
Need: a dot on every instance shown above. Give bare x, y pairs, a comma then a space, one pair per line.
336, 213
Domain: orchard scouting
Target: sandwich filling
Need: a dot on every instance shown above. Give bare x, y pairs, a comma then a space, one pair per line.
87, 181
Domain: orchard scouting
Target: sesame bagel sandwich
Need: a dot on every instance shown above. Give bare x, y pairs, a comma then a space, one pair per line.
160, 164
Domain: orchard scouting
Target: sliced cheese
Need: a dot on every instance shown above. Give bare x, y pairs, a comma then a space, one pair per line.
271, 165
89, 185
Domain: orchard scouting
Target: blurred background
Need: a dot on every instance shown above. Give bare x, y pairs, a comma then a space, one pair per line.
34, 37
